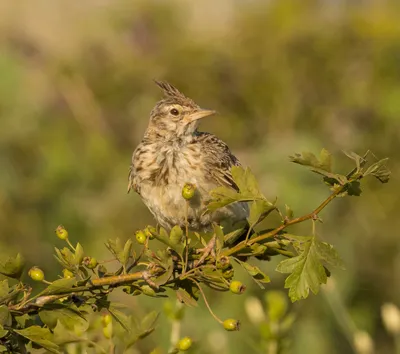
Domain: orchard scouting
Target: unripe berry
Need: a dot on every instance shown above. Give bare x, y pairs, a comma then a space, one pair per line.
36, 274
106, 319
237, 287
184, 344
67, 273
90, 262
223, 262
141, 237
107, 331
149, 230
61, 232
231, 325
188, 191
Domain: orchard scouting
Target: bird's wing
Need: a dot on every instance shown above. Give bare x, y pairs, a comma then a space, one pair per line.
218, 160
130, 178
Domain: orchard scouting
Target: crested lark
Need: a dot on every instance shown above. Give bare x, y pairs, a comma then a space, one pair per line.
173, 152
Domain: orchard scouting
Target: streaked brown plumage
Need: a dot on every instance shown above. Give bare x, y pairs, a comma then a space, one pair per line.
172, 153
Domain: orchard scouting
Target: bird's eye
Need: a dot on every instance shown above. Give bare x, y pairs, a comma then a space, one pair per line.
174, 111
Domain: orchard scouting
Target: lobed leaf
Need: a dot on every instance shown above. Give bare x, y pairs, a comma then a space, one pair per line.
69, 316
259, 209
13, 266
40, 336
306, 270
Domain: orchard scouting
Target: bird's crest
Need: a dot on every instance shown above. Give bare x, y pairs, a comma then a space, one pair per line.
171, 92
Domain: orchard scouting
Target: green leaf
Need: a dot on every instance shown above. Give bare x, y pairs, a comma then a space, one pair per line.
68, 315
184, 297
65, 257
322, 166
145, 328
163, 237
258, 276
231, 237
219, 237
3, 332
289, 211
150, 320
306, 158
114, 246
325, 160
259, 209
126, 253
40, 336
5, 316
13, 267
63, 335
222, 196
176, 235
379, 171
79, 254
162, 279
4, 289
360, 161
307, 270
329, 255
354, 189
59, 286
246, 181
120, 317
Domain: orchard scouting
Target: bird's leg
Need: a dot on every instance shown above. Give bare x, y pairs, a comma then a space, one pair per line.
209, 249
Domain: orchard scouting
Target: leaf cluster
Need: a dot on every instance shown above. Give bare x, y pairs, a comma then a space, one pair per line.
65, 310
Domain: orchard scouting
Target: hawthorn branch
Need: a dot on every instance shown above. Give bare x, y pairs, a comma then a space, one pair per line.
273, 233
114, 281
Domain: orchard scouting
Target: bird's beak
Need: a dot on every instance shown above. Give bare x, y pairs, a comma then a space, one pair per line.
198, 115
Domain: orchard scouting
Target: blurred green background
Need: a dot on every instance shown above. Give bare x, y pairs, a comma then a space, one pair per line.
286, 76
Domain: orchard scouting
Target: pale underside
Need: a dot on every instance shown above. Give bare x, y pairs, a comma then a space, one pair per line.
159, 171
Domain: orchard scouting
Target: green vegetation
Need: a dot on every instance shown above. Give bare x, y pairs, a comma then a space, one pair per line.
75, 95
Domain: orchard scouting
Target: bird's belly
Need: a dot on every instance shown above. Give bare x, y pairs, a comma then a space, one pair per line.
169, 207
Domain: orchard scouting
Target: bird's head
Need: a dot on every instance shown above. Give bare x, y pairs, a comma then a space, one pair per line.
175, 115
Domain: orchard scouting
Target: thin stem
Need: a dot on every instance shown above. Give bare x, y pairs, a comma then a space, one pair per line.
206, 302
175, 327
274, 232
186, 236
70, 245
51, 296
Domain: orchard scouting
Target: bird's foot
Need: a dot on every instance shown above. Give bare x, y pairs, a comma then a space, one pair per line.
208, 250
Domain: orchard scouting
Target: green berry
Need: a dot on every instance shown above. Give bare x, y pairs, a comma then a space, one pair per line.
107, 331
188, 191
61, 232
90, 262
106, 319
237, 287
223, 263
184, 344
231, 325
67, 274
141, 237
150, 231
36, 274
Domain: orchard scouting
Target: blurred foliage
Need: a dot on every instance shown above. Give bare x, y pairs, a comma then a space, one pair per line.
76, 90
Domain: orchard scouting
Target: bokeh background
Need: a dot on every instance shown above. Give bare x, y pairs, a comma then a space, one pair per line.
286, 76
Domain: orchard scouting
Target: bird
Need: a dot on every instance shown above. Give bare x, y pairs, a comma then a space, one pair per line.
172, 153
